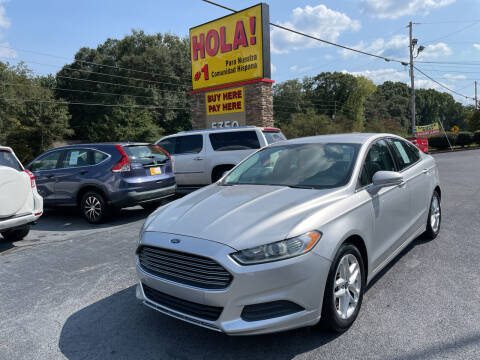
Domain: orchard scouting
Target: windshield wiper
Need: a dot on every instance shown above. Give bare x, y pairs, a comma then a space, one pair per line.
300, 187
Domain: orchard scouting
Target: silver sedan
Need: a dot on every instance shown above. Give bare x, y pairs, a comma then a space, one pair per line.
290, 236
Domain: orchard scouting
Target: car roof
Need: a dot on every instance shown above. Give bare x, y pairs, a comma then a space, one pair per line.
6, 148
90, 145
352, 138
237, 128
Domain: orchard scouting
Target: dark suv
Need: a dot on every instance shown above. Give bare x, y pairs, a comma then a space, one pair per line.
101, 177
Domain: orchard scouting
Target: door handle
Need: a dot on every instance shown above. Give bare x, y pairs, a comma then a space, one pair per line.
426, 171
83, 172
198, 158
49, 176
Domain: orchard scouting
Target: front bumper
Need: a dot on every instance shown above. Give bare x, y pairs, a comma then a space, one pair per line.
300, 280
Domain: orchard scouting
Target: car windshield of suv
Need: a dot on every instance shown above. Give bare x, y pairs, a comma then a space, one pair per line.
317, 166
145, 154
7, 159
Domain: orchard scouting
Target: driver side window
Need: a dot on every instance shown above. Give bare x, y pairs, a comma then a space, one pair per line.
378, 158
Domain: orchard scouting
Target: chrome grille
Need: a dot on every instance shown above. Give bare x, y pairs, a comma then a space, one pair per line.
184, 268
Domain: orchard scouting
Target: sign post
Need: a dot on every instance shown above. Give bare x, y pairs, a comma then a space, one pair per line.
231, 83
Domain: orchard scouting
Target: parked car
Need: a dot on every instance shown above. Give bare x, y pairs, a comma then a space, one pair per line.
291, 235
20, 203
101, 177
203, 156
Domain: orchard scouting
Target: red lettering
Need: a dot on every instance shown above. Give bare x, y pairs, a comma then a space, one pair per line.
224, 47
210, 98
224, 107
239, 94
198, 46
240, 38
239, 105
212, 50
211, 108
234, 105
230, 106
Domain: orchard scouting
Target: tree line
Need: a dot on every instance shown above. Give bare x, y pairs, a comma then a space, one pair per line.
136, 89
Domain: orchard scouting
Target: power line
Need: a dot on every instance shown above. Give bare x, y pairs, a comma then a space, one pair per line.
90, 62
442, 85
81, 91
476, 63
103, 74
452, 33
92, 104
313, 37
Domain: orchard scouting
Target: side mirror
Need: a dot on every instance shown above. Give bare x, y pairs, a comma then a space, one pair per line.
383, 179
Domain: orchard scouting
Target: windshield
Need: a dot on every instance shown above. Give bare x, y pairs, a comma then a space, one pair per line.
316, 166
145, 154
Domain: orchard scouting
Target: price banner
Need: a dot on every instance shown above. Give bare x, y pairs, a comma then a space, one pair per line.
428, 129
231, 49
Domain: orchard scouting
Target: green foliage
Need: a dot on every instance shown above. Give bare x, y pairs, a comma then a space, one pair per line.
473, 120
464, 138
476, 137
158, 88
354, 105
307, 124
31, 119
440, 141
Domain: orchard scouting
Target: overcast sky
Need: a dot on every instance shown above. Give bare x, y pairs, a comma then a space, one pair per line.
449, 30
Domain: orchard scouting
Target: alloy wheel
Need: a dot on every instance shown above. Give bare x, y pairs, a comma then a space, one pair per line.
92, 208
435, 214
347, 286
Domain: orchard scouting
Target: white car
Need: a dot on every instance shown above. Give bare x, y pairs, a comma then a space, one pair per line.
20, 203
201, 157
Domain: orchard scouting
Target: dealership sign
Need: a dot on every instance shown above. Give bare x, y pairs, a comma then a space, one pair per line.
231, 49
224, 101
428, 129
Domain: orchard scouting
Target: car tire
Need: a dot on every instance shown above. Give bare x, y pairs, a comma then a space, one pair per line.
93, 207
16, 234
339, 312
434, 220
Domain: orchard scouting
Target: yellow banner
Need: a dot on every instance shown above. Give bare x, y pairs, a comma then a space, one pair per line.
428, 129
225, 101
229, 49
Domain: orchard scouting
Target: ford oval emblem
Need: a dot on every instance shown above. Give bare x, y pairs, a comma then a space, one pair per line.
175, 241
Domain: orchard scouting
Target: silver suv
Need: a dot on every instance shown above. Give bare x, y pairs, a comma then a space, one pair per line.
202, 156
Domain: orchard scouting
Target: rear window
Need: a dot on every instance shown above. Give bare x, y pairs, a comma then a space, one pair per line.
273, 136
7, 159
234, 140
145, 154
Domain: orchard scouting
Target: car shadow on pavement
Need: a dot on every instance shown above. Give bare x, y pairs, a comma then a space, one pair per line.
69, 219
5, 245
119, 326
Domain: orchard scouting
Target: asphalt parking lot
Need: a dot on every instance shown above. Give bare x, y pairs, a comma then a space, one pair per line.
68, 291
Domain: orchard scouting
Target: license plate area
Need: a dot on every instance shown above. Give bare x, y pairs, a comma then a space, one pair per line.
155, 170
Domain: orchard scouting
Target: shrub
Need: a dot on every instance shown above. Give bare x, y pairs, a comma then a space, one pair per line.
464, 138
440, 141
476, 137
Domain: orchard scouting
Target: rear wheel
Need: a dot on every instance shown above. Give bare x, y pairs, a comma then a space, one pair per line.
16, 234
434, 217
344, 290
93, 207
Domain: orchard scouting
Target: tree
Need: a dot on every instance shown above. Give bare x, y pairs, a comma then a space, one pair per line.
354, 106
31, 118
161, 80
473, 120
307, 124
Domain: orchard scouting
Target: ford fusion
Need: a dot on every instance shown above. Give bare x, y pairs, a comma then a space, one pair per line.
289, 237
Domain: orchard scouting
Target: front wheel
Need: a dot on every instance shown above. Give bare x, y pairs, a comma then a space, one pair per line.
93, 207
434, 217
16, 234
344, 289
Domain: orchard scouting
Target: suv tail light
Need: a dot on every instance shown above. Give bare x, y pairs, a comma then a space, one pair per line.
165, 151
124, 163
32, 178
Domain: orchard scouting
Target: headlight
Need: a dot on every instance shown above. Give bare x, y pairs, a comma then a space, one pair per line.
278, 250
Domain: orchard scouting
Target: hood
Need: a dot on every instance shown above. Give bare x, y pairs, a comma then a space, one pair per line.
241, 216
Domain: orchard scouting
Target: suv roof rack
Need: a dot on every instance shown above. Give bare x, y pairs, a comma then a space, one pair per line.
215, 129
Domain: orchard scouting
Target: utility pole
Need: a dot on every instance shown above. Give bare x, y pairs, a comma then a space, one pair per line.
412, 80
476, 99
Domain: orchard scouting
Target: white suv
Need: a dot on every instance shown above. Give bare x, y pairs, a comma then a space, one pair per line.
202, 156
20, 203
